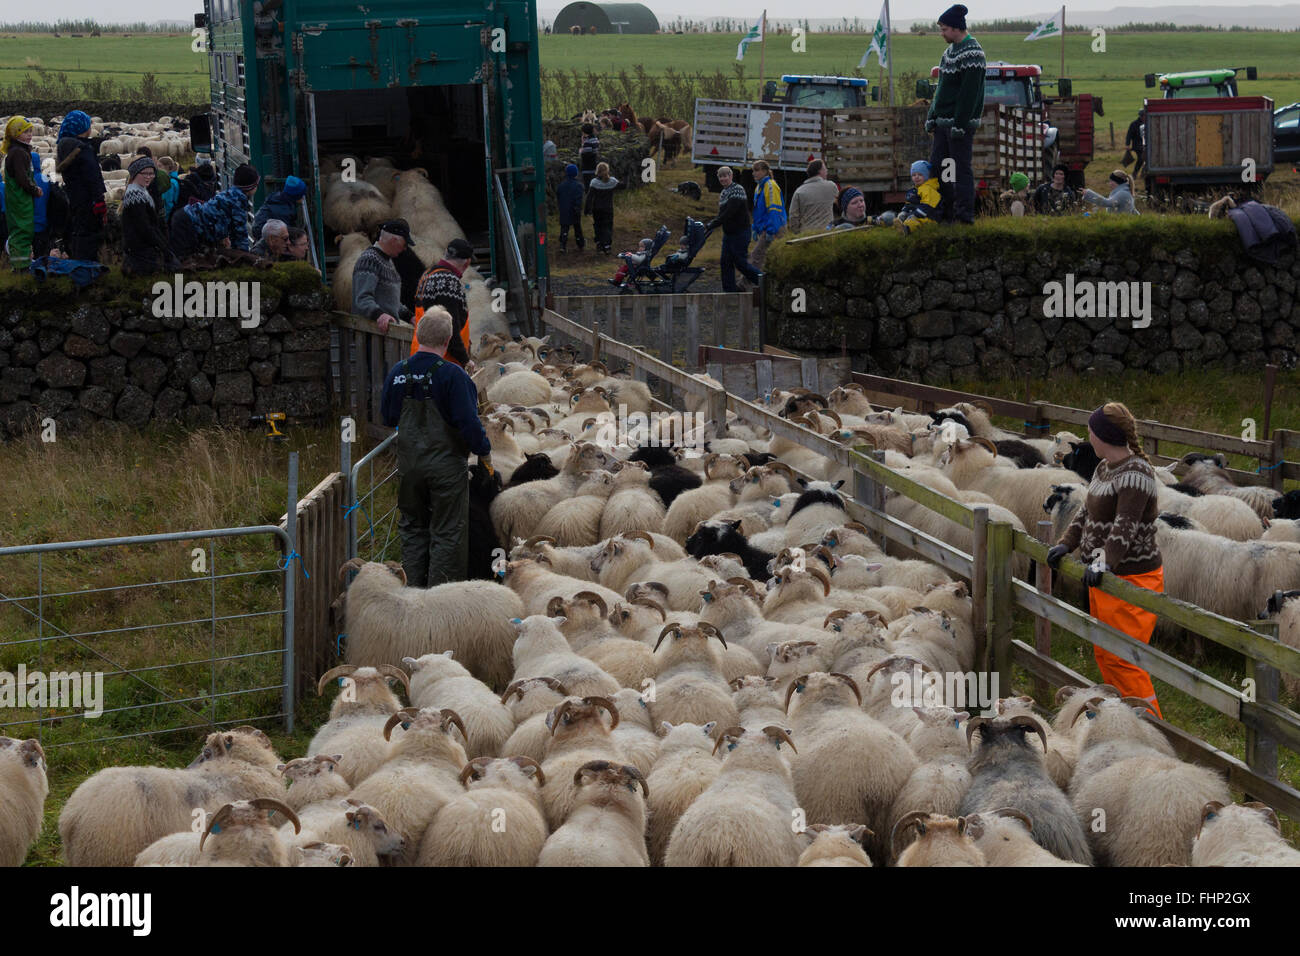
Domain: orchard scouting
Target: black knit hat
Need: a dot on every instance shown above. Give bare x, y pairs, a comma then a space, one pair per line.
139, 166
954, 16
246, 177
459, 249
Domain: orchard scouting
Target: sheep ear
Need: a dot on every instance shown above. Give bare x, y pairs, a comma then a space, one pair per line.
803, 482
447, 654
771, 651
558, 621
839, 484
665, 727
708, 728
735, 525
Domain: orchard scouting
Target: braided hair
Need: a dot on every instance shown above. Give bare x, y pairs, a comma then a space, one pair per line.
1117, 414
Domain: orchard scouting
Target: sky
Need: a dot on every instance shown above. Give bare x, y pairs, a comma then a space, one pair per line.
782, 9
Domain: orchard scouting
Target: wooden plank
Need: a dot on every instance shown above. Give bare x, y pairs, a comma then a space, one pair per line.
941, 396
718, 320
589, 313
808, 374
692, 332
666, 329
1001, 601
613, 316
931, 548
763, 379
979, 585
638, 320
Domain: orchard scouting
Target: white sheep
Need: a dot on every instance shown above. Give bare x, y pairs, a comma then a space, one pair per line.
362, 827
576, 520
578, 735
357, 717
689, 684
23, 789
437, 681
1241, 835
745, 817
940, 841
118, 811
354, 206
632, 506
530, 701
851, 768
1005, 837
242, 834
351, 245
635, 735
421, 774
319, 853
387, 621
314, 780
497, 821
1208, 473
607, 824
835, 845
686, 767
541, 650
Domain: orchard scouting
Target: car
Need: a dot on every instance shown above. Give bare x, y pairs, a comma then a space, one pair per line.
1286, 134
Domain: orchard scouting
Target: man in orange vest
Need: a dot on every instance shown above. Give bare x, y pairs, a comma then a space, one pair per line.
442, 285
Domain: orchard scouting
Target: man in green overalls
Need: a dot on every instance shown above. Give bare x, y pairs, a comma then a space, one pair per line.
434, 406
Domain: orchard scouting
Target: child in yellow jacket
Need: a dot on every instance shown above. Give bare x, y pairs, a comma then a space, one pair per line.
922, 199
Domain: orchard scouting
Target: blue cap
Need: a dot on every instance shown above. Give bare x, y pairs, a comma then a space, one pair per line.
294, 187
922, 167
571, 170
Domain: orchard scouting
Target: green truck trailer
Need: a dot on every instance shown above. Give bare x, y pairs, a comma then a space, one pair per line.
449, 86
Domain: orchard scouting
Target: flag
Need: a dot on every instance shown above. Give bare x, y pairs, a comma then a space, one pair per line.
879, 40
1049, 28
755, 35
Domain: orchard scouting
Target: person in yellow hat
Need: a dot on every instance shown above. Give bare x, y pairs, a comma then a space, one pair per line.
20, 191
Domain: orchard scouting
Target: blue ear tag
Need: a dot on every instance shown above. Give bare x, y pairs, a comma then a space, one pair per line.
1091, 715
216, 828
731, 746
406, 725
641, 701
708, 597
1211, 815
956, 721
777, 503
516, 620
835, 627
356, 824
501, 575
798, 689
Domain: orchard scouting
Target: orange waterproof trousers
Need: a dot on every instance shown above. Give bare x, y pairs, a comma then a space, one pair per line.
1138, 624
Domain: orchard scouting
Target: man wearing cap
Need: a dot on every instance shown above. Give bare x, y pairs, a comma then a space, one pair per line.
376, 284
955, 115
221, 221
282, 205
434, 406
812, 204
443, 285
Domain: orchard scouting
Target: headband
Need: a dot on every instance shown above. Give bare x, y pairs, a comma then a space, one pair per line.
1105, 429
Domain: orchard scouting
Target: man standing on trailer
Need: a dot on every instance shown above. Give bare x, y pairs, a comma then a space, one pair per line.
434, 406
955, 115
444, 285
376, 286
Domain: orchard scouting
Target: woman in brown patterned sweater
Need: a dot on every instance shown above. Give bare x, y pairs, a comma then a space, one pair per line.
1115, 531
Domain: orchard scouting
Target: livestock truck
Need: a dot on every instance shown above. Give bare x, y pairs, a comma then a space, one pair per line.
873, 147
448, 86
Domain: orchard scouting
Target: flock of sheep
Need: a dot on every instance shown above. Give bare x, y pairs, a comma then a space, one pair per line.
117, 140
689, 658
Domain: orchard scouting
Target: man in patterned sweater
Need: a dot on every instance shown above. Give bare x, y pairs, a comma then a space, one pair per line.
221, 221
1115, 530
443, 285
955, 114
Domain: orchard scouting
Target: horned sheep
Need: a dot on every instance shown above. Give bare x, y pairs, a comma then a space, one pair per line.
1241, 835
497, 821
437, 681
23, 789
607, 824
835, 845
356, 723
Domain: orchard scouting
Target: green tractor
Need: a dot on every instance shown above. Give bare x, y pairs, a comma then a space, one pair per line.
1221, 82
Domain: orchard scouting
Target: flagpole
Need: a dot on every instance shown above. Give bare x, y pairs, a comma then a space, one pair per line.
762, 52
1062, 73
889, 52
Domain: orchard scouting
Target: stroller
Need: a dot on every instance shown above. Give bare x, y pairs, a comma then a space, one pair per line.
640, 276
676, 273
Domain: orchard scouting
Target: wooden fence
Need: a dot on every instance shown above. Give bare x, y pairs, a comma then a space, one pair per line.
323, 545
996, 593
753, 375
670, 327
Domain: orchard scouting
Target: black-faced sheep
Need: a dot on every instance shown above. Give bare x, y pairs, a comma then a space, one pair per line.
724, 537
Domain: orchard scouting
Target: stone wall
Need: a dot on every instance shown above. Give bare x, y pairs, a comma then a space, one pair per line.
102, 354
965, 304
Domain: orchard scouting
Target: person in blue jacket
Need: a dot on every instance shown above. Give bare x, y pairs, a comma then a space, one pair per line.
221, 221
170, 187
78, 164
769, 213
434, 406
282, 205
568, 196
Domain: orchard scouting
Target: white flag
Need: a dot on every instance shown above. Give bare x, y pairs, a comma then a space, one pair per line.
1050, 28
879, 41
755, 35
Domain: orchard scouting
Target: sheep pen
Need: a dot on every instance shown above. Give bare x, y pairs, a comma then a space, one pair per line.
610, 609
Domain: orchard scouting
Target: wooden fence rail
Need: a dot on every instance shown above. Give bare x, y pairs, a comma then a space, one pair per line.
997, 593
323, 546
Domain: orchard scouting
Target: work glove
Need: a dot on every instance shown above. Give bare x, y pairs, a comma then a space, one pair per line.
486, 462
957, 132
1055, 554
929, 126
1092, 576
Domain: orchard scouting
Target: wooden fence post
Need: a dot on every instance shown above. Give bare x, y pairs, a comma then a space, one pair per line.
1042, 626
718, 411
1261, 748
979, 584
1276, 478
1001, 605
876, 496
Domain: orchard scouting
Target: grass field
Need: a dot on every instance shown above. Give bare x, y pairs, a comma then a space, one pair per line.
1115, 74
